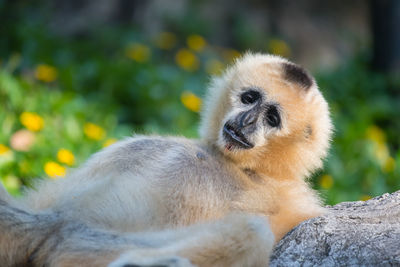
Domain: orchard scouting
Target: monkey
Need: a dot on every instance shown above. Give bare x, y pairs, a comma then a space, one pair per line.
221, 200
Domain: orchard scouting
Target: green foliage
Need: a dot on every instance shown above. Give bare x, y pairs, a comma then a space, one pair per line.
63, 94
365, 158
53, 120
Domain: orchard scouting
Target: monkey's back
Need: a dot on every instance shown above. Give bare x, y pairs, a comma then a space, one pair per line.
143, 183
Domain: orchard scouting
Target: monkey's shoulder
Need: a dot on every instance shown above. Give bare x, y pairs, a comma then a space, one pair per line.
160, 150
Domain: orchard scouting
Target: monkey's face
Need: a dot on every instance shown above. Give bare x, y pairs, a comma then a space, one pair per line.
269, 106
251, 119
267, 109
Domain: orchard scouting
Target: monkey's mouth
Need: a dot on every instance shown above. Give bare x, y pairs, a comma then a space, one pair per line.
235, 138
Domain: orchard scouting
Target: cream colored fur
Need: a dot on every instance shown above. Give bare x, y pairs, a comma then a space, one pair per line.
152, 183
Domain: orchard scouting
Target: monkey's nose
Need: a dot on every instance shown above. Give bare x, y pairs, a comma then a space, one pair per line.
247, 118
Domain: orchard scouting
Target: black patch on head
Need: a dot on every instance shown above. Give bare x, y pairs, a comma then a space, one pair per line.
296, 74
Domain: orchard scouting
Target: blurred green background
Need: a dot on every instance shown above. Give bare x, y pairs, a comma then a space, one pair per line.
76, 76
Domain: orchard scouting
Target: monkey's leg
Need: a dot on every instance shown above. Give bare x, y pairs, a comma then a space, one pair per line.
237, 240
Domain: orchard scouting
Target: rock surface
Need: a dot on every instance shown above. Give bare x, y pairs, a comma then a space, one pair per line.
362, 233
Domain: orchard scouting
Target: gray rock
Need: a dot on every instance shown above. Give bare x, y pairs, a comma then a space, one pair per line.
361, 233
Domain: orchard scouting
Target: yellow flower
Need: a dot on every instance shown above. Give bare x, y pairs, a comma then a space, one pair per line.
389, 165
166, 40
214, 67
230, 54
109, 142
191, 101
32, 121
279, 47
326, 181
4, 149
6, 154
65, 156
54, 170
196, 42
375, 134
138, 52
365, 197
46, 73
381, 153
187, 60
93, 131
381, 150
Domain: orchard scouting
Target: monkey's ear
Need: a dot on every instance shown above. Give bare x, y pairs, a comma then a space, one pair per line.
296, 74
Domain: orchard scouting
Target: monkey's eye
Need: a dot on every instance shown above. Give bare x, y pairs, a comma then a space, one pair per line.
250, 97
272, 117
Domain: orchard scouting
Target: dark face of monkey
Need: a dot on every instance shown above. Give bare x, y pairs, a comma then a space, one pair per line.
255, 113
